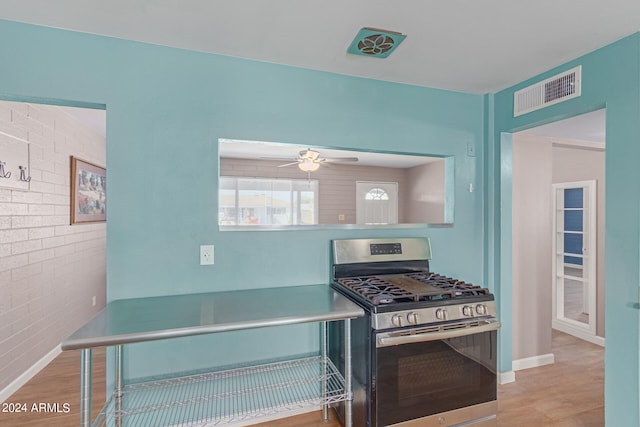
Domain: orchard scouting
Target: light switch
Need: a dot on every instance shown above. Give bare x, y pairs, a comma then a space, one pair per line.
471, 149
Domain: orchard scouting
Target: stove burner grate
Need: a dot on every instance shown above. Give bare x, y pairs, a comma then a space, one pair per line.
419, 286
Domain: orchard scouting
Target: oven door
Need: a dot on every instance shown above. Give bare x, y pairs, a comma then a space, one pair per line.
423, 372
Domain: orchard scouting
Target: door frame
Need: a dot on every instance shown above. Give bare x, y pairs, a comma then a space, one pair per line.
586, 332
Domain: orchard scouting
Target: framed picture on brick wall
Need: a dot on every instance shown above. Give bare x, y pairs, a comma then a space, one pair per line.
88, 192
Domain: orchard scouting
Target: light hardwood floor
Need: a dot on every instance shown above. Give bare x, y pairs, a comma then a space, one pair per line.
568, 393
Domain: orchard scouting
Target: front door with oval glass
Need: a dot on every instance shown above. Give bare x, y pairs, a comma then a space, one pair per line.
574, 259
376, 202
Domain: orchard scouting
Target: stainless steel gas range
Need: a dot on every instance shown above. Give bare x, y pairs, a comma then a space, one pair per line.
425, 352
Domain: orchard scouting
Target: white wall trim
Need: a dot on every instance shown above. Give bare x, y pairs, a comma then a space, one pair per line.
506, 377
29, 373
578, 143
533, 361
577, 332
271, 417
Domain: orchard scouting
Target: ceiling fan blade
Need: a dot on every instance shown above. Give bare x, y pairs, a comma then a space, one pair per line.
288, 164
341, 159
279, 159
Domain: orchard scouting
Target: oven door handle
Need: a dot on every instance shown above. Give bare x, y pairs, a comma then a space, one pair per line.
383, 341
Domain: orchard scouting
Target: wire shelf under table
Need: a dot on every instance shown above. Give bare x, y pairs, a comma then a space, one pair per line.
228, 396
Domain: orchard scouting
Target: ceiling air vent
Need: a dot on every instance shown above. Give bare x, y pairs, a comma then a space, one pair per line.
375, 42
555, 89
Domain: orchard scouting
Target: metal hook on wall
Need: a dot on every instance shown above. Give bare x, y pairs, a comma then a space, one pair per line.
4, 174
23, 174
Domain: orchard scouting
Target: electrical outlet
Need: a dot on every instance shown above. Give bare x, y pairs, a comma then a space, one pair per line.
206, 254
93, 301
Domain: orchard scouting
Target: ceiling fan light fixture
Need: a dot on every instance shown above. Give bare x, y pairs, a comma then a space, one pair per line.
308, 165
310, 154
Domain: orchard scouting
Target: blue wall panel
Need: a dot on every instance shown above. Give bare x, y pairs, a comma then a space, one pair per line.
573, 220
573, 198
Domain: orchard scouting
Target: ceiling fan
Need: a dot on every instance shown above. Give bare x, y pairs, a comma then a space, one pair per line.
310, 160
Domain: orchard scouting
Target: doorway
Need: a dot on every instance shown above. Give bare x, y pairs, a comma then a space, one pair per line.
37, 142
566, 152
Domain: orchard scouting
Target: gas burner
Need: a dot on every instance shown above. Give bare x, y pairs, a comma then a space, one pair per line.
375, 289
382, 299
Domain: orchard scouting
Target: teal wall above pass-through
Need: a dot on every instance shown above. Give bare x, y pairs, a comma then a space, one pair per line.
166, 109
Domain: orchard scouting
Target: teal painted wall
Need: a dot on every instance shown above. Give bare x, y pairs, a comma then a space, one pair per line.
166, 108
611, 78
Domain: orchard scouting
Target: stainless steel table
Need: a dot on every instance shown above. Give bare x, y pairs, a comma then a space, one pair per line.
157, 318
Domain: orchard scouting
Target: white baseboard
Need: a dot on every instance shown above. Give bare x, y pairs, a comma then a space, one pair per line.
14, 385
579, 333
506, 377
278, 416
533, 362
272, 417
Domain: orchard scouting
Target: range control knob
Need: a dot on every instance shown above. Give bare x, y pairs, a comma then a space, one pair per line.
441, 314
412, 318
396, 320
467, 311
481, 309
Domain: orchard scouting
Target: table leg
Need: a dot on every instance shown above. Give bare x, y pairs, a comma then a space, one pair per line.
348, 407
325, 406
118, 386
85, 387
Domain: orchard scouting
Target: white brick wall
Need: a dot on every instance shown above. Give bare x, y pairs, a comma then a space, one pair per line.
49, 270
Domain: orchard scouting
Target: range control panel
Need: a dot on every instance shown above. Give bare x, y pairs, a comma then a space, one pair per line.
385, 248
351, 251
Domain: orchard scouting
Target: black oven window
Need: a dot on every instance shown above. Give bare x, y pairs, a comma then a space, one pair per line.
436, 370
422, 379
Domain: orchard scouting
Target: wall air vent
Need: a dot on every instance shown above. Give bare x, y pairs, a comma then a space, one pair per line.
555, 89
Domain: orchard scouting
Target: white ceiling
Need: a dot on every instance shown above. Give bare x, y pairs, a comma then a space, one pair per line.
267, 150
588, 127
461, 45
